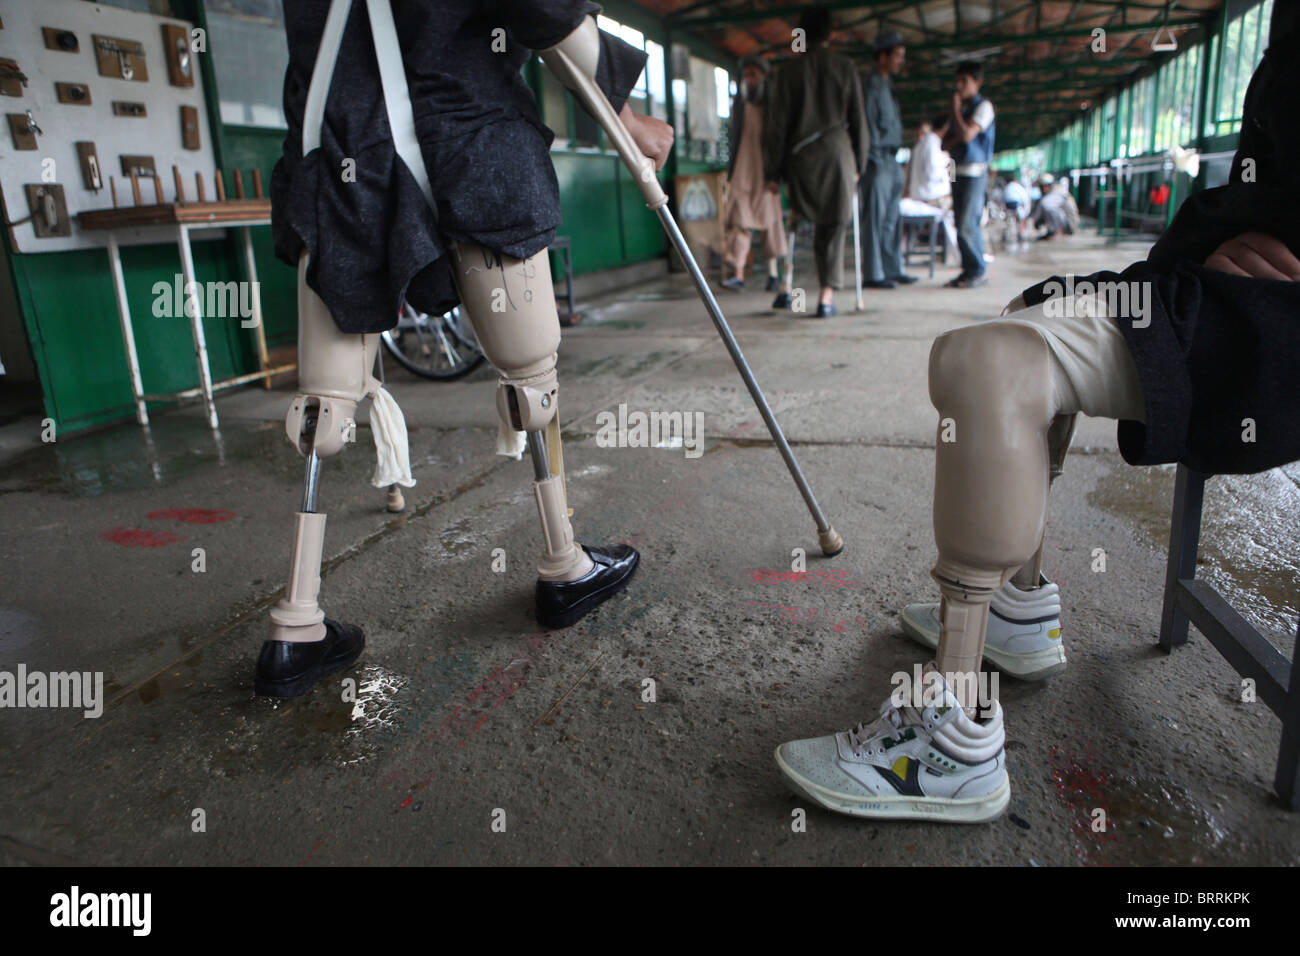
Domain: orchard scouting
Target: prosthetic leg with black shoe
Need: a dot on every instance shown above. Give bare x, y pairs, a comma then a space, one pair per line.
511, 305
334, 375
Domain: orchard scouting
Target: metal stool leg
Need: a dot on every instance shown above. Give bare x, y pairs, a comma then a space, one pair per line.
1184, 540
1287, 781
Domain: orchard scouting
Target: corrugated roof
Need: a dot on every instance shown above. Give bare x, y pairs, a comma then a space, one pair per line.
1041, 69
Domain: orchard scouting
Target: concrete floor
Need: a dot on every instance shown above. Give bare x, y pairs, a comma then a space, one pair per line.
467, 709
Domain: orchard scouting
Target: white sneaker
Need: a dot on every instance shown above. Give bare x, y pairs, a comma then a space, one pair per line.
1024, 632
932, 763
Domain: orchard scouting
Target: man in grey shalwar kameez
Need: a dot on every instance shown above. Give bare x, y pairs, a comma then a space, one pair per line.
882, 183
815, 139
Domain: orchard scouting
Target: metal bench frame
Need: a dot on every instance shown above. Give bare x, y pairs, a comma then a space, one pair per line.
1187, 600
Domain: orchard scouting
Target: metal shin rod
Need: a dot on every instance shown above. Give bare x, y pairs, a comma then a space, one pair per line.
829, 538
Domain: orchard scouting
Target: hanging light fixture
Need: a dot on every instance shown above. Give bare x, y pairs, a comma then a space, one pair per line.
1165, 46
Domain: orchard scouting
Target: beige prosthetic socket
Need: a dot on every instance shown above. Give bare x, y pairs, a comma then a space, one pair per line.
334, 374
1059, 435
992, 386
511, 305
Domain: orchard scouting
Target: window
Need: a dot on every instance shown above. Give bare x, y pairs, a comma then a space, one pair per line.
249, 56
1240, 52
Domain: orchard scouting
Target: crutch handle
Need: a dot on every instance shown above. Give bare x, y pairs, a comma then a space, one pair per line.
574, 62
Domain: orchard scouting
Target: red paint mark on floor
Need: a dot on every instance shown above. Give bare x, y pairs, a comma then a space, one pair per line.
1082, 787
139, 538
192, 515
821, 579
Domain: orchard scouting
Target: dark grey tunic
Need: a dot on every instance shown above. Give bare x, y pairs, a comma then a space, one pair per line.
815, 136
374, 240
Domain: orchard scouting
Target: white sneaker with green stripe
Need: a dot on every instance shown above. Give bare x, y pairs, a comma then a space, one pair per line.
926, 763
1024, 632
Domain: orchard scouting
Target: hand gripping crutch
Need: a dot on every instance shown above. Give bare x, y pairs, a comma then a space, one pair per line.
642, 168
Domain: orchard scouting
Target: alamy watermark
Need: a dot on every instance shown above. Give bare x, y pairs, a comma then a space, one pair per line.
215, 300
638, 429
76, 689
1083, 298
920, 689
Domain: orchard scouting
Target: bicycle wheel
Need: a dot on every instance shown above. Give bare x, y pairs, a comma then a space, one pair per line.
441, 347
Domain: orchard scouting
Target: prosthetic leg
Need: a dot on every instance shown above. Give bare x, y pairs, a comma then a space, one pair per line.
334, 375
1011, 390
992, 385
511, 305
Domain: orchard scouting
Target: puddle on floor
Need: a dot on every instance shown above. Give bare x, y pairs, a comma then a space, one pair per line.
130, 458
1249, 529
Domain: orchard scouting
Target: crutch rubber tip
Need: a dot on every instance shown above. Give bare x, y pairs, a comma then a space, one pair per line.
831, 542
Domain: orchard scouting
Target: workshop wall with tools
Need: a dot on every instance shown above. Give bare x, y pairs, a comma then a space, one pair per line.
120, 119
109, 110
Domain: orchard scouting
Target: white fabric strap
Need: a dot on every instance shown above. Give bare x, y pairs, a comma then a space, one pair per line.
397, 98
392, 77
322, 74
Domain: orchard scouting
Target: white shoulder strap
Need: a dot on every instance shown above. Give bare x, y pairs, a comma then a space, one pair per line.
397, 98
322, 74
392, 76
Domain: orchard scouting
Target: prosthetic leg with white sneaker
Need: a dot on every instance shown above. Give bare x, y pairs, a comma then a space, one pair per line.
1003, 387
1023, 637
334, 374
511, 305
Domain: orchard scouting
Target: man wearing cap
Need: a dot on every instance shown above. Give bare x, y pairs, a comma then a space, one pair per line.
750, 206
882, 183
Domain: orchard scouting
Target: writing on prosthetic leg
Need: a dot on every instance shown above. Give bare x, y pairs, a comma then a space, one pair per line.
511, 306
334, 375
992, 386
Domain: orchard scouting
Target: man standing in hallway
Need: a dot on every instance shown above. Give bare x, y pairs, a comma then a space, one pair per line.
749, 205
882, 185
968, 136
815, 138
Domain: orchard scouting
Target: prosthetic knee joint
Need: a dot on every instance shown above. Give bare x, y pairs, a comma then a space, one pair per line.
511, 305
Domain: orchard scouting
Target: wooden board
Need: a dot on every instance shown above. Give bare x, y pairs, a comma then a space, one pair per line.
173, 213
65, 41
74, 94
176, 47
115, 56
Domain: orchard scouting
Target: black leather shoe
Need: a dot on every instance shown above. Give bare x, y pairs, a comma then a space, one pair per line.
827, 311
879, 284
562, 603
290, 668
773, 283
782, 301
903, 279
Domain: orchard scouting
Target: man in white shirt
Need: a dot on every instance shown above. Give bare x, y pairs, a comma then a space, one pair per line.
928, 178
927, 174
